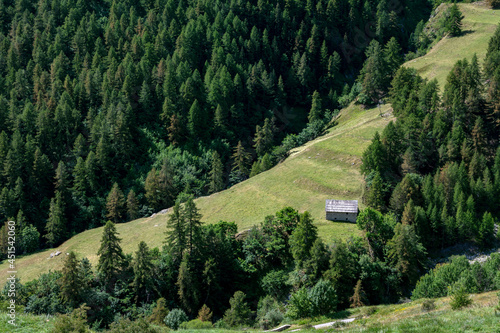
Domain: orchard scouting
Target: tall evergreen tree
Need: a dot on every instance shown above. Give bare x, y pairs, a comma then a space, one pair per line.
71, 281
193, 223
56, 224
176, 231
110, 254
143, 279
302, 239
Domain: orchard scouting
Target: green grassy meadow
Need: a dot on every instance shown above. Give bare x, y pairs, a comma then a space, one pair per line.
325, 168
479, 24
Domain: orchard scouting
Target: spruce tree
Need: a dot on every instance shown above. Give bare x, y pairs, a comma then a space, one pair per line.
111, 258
187, 285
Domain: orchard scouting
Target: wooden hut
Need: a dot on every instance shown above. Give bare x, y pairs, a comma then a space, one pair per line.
341, 210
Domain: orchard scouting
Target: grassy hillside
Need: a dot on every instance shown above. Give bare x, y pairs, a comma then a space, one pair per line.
479, 24
326, 168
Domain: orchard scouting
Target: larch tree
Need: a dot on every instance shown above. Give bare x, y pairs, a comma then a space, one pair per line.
241, 159
176, 231
56, 224
132, 206
193, 222
316, 109
216, 174
115, 204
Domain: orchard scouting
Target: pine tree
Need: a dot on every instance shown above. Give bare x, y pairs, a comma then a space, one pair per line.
216, 174
143, 280
71, 281
115, 204
132, 206
110, 254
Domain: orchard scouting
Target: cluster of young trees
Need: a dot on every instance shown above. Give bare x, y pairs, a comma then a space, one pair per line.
146, 100
438, 167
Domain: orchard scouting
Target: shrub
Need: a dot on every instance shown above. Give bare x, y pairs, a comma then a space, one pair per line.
75, 322
323, 298
268, 313
459, 297
239, 313
299, 305
175, 318
274, 284
127, 326
159, 312
205, 314
196, 324
428, 305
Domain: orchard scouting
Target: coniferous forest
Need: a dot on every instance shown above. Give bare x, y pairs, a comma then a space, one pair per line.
114, 110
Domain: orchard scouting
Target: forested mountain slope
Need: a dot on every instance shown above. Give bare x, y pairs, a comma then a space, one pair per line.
316, 171
115, 109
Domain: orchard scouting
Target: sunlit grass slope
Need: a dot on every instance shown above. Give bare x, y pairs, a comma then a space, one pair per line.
326, 168
479, 24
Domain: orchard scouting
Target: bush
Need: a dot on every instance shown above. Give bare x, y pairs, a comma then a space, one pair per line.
196, 324
75, 322
323, 298
239, 313
205, 314
428, 305
268, 313
159, 312
127, 326
175, 318
299, 305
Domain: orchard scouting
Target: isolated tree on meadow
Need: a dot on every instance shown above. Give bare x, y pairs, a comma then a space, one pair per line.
453, 23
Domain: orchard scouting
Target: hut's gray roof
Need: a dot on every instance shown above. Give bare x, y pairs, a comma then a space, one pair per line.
341, 206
